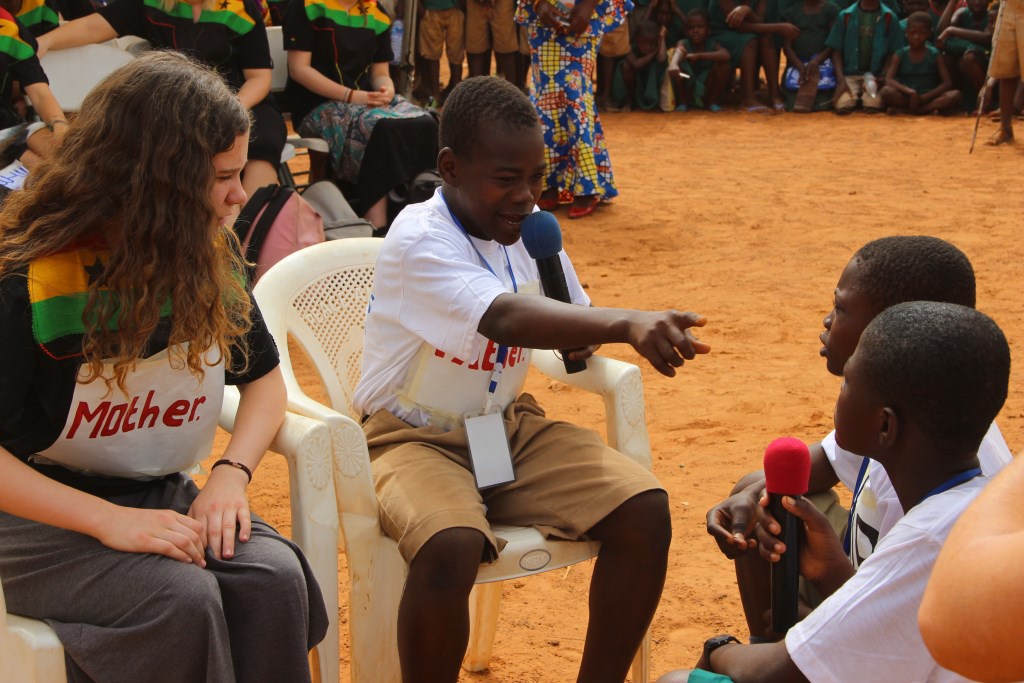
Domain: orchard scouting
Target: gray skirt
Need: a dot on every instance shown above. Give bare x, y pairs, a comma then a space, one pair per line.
141, 617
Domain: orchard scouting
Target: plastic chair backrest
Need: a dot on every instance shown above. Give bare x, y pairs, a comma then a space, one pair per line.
75, 71
328, 290
279, 57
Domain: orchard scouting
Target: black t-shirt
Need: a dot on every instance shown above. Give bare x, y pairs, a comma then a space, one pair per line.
343, 45
18, 62
231, 37
39, 377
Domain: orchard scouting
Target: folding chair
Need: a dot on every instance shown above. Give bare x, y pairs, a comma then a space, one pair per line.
318, 296
31, 653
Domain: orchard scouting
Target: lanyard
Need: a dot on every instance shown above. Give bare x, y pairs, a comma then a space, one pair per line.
499, 361
952, 482
857, 489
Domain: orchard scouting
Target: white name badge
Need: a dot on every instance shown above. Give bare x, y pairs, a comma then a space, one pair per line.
488, 450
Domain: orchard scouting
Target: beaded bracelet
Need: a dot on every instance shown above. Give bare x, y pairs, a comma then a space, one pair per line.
53, 123
234, 463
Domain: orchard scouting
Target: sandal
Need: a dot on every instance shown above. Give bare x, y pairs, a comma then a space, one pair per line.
584, 211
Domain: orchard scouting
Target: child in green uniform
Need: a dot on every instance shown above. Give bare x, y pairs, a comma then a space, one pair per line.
704, 61
639, 75
862, 39
918, 80
809, 66
741, 27
965, 39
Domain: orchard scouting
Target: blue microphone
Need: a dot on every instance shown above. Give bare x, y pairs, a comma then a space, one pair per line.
543, 241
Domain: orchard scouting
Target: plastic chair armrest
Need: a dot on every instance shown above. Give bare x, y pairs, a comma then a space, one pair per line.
620, 385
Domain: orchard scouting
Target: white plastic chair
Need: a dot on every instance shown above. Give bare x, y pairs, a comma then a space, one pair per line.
75, 71
31, 653
318, 296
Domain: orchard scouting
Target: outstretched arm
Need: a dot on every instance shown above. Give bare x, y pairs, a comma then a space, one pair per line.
970, 615
663, 338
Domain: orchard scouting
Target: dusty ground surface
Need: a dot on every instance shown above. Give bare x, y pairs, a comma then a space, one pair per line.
748, 219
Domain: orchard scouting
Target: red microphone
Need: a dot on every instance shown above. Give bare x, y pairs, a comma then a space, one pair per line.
787, 469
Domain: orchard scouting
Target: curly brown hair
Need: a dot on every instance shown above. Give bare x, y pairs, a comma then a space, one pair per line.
135, 171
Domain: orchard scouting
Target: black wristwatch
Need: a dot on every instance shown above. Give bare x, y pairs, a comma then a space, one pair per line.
712, 644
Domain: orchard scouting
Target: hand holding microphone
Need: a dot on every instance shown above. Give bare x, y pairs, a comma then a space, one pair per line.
787, 470
543, 241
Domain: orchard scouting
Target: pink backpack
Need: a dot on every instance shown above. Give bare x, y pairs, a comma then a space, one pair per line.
275, 222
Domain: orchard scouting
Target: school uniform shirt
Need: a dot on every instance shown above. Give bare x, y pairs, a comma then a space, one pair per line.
423, 358
343, 44
814, 28
18, 62
85, 434
846, 35
230, 37
867, 630
876, 507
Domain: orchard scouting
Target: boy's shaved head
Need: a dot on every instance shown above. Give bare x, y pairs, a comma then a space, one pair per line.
943, 366
915, 268
479, 104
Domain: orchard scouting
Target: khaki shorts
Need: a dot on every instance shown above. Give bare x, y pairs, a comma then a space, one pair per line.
567, 479
1008, 41
483, 23
616, 43
524, 41
442, 27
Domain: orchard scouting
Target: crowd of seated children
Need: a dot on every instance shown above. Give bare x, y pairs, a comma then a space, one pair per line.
965, 37
639, 75
700, 70
917, 80
809, 80
838, 54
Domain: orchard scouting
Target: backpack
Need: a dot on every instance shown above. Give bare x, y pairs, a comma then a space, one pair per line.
419, 189
275, 222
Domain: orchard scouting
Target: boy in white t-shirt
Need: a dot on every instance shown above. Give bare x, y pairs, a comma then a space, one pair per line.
883, 272
454, 291
919, 394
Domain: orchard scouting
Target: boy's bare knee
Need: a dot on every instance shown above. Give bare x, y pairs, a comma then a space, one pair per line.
677, 676
644, 520
449, 560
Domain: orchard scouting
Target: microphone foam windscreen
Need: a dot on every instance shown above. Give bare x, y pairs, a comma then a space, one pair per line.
541, 235
787, 466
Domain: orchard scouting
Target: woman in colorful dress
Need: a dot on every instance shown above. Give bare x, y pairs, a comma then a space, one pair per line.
122, 315
563, 51
341, 91
228, 35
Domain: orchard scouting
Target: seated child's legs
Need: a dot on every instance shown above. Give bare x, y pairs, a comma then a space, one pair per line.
717, 82
891, 97
946, 101
748, 74
846, 101
973, 66
568, 483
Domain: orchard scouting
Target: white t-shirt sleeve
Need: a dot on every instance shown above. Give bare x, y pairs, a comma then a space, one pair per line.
846, 464
867, 630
